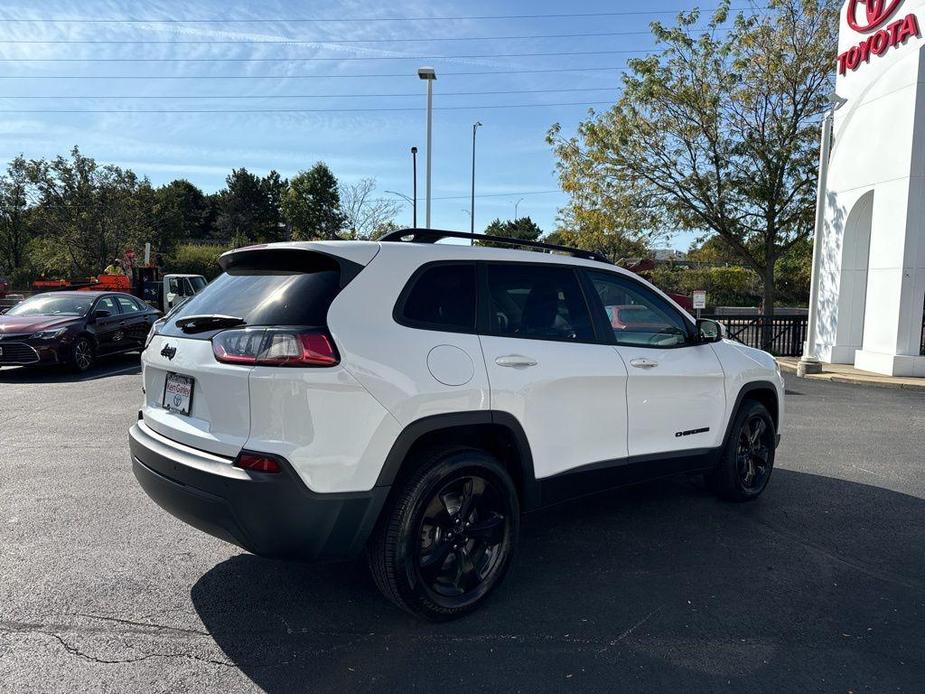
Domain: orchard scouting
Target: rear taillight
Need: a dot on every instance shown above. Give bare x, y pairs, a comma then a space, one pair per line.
257, 462
275, 347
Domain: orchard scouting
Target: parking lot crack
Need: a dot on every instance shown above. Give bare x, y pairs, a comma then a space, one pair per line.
83, 655
145, 625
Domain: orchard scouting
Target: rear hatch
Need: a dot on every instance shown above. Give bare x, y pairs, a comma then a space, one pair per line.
266, 295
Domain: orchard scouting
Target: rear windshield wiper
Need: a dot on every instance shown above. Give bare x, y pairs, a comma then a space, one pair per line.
202, 324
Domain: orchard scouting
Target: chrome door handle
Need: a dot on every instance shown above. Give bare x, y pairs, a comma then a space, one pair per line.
515, 361
643, 363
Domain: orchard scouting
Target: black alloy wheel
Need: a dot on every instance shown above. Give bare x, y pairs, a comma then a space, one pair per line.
449, 537
461, 534
83, 355
753, 452
747, 460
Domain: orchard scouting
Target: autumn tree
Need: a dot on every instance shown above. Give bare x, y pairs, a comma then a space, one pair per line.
716, 132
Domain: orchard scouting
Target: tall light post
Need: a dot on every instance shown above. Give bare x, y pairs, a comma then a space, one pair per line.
430, 75
516, 205
475, 127
809, 362
414, 185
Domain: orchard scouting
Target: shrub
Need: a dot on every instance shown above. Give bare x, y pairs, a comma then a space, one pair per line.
725, 286
196, 259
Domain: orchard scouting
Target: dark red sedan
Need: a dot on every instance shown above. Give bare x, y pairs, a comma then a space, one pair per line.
73, 328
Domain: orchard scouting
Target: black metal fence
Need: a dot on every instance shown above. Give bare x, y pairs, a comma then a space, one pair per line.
782, 336
922, 348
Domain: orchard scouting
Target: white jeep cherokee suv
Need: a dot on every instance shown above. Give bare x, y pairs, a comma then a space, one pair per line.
411, 399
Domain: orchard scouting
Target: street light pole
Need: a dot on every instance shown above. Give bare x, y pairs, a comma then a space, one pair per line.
516, 205
809, 362
475, 127
429, 74
414, 185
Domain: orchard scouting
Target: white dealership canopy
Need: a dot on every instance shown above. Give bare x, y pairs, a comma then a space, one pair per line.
871, 280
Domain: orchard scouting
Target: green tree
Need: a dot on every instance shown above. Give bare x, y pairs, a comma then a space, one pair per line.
274, 188
312, 204
522, 229
182, 212
88, 212
249, 208
17, 201
717, 132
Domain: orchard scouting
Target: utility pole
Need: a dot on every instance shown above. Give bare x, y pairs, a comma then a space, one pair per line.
475, 127
430, 75
414, 185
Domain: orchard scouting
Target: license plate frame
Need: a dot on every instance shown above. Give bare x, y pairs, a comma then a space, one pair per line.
175, 399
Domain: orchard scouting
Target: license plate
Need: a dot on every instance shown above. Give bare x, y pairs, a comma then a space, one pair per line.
178, 393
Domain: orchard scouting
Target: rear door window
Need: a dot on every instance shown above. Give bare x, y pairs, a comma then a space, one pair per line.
442, 297
128, 305
536, 302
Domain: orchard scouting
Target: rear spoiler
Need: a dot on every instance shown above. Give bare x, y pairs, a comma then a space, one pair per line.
271, 259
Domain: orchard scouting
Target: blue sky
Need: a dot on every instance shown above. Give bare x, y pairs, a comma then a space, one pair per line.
251, 62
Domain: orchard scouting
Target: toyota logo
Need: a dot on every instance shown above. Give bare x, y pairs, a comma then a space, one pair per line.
169, 352
876, 11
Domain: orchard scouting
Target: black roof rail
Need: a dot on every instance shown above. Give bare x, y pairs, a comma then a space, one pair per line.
434, 235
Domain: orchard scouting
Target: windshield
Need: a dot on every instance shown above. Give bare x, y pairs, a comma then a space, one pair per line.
43, 305
199, 283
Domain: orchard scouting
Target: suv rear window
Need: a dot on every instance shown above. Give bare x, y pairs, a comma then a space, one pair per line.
443, 297
263, 298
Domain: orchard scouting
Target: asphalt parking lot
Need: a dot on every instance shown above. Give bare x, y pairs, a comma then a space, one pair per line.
820, 586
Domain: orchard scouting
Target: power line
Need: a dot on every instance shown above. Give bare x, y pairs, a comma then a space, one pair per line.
315, 59
497, 195
403, 75
492, 195
312, 110
312, 96
290, 20
300, 42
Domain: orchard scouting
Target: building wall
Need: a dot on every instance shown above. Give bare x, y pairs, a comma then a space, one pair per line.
876, 184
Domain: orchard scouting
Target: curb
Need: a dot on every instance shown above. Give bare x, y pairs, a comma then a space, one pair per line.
873, 381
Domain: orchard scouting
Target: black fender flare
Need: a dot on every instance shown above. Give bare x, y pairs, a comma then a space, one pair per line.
427, 425
751, 387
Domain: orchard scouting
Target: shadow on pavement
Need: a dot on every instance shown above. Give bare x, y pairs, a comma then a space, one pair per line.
816, 587
119, 365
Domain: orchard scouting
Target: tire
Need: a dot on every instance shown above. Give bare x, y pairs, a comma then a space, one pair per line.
748, 458
83, 356
448, 538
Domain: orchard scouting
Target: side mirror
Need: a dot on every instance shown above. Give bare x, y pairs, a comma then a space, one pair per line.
171, 297
710, 331
102, 313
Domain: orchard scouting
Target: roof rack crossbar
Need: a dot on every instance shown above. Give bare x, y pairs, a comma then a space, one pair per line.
434, 235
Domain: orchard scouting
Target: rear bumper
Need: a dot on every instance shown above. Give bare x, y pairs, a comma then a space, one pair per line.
271, 515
